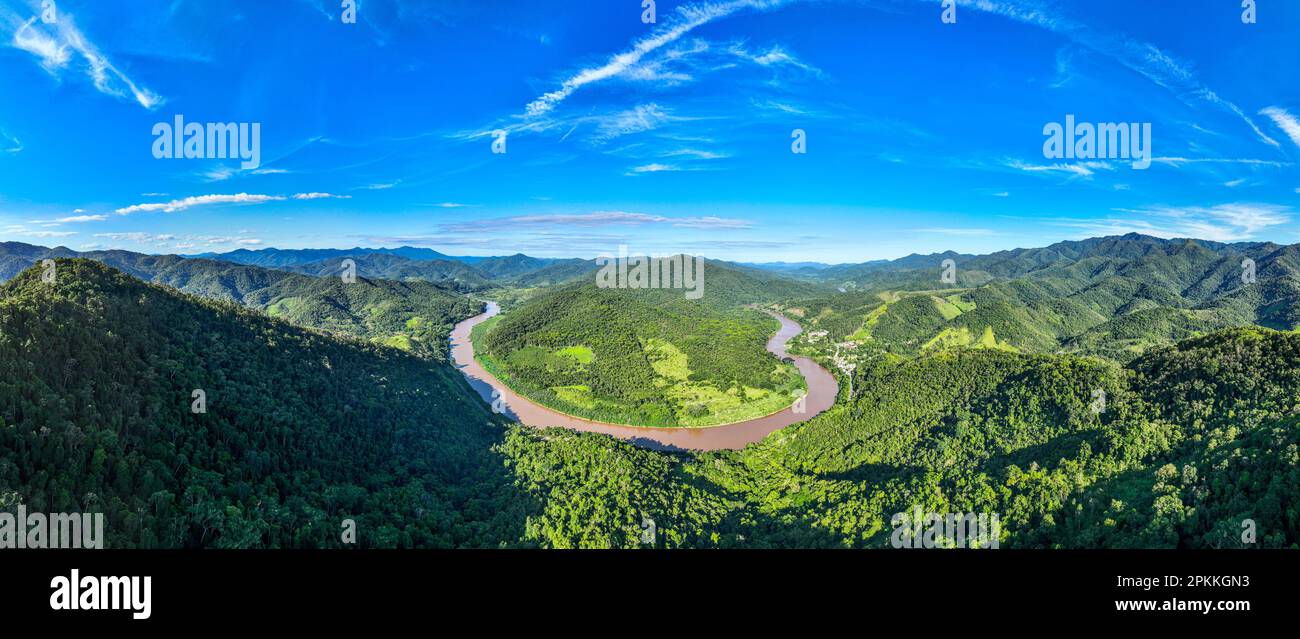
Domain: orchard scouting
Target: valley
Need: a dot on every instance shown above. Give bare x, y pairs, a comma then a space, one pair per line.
822, 390
973, 397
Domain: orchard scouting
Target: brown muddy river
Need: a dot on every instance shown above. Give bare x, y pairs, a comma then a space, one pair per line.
822, 389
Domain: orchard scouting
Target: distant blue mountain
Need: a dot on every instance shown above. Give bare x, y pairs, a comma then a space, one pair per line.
274, 257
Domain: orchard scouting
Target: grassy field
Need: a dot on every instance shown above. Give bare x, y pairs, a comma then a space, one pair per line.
696, 403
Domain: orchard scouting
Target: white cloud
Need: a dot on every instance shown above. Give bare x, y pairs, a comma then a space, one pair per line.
642, 118
59, 46
1076, 169
9, 143
780, 107
697, 154
1179, 161
137, 237
1285, 121
219, 174
198, 200
320, 196
44, 233
1220, 223
654, 168
775, 56
593, 220
81, 218
689, 18
1144, 58
222, 173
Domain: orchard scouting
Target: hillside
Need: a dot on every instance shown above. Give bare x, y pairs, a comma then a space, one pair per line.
1116, 297
646, 357
301, 430
1190, 439
409, 263
412, 315
456, 275
1190, 442
278, 258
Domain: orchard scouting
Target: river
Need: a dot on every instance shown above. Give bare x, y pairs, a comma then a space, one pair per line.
822, 390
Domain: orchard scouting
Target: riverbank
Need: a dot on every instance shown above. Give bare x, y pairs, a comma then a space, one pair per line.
822, 390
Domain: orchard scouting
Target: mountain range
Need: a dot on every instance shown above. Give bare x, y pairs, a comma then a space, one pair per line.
1186, 426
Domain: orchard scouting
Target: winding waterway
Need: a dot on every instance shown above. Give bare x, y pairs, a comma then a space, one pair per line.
822, 389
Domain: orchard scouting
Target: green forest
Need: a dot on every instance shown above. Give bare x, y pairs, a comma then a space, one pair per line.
982, 396
645, 357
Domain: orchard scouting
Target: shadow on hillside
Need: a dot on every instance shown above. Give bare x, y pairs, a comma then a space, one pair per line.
873, 473
1046, 454
747, 526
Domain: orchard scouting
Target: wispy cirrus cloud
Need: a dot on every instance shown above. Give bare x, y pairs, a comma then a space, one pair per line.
1232, 222
774, 56
168, 240
137, 237
1180, 161
1148, 60
9, 143
593, 220
1074, 169
24, 231
60, 46
656, 167
1285, 121
697, 154
687, 19
641, 118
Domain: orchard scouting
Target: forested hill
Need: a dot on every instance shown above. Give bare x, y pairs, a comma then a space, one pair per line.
648, 357
1115, 297
392, 267
406, 264
304, 429
1187, 447
415, 316
301, 431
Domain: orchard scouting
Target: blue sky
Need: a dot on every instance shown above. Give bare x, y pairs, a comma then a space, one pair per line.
667, 137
